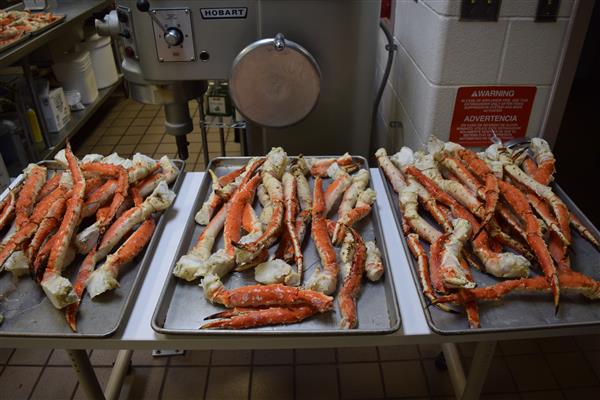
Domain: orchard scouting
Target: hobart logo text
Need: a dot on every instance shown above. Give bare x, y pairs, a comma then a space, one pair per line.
220, 13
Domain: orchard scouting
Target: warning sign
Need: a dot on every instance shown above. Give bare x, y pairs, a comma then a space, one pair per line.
482, 111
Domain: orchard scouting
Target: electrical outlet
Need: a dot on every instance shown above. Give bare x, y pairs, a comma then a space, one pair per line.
547, 10
480, 10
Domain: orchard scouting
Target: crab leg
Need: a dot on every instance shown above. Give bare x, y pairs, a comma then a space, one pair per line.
545, 161
498, 152
336, 189
58, 289
505, 265
408, 206
50, 222
121, 190
319, 167
7, 208
362, 209
451, 271
274, 227
35, 179
230, 177
105, 277
188, 265
241, 318
291, 209
392, 173
99, 198
264, 295
351, 286
423, 269
31, 225
518, 202
50, 185
160, 199
325, 279
584, 231
505, 239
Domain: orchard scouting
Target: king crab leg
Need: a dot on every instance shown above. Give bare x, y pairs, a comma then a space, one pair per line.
336, 189
362, 209
325, 279
319, 167
240, 318
58, 289
290, 199
264, 295
275, 189
7, 209
35, 177
505, 265
518, 202
351, 286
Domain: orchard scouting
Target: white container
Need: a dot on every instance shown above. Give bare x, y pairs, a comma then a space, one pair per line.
103, 60
75, 72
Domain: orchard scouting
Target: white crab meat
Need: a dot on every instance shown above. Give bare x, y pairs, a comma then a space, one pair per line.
346, 254
373, 263
100, 281
59, 291
87, 238
243, 257
116, 159
321, 281
276, 163
219, 263
276, 271
17, 263
450, 256
211, 283
89, 158
403, 158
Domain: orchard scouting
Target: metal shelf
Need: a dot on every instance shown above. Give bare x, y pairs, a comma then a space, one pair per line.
76, 11
78, 118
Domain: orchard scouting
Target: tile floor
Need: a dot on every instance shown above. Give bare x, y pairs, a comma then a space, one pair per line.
558, 368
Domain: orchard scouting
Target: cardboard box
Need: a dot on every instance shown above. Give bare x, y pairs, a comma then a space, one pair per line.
55, 108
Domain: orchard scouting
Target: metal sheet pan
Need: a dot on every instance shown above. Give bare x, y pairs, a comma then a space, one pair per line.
59, 20
182, 307
27, 311
16, 42
526, 311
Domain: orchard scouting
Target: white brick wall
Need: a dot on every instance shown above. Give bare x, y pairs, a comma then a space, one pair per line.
437, 54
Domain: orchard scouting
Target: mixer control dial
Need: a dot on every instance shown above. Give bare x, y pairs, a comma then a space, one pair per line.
173, 36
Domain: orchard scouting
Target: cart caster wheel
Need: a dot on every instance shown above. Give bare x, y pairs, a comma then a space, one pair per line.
440, 362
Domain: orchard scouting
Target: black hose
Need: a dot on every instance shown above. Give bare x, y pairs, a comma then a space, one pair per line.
390, 47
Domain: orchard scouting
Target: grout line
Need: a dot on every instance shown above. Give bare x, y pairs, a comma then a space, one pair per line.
40, 374
588, 362
207, 374
251, 373
382, 381
548, 365
337, 373
424, 372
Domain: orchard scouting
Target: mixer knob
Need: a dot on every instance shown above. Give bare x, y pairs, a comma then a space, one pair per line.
173, 36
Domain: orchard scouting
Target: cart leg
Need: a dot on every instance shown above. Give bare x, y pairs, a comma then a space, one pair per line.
470, 387
87, 378
117, 376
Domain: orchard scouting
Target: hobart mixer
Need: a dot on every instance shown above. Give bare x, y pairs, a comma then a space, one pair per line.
301, 73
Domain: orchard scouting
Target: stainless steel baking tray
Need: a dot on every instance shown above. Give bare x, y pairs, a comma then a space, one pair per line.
16, 42
526, 311
182, 307
59, 20
27, 311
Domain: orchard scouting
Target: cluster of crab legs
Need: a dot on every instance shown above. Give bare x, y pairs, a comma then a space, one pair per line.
483, 203
118, 196
289, 211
